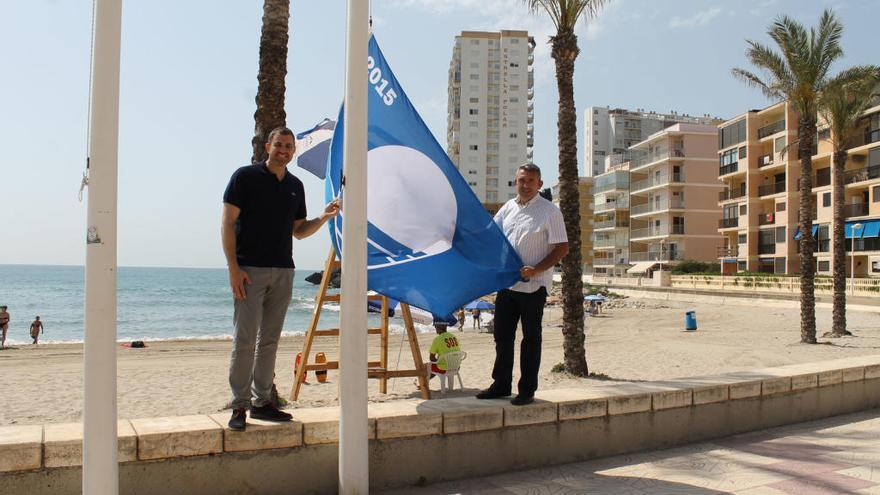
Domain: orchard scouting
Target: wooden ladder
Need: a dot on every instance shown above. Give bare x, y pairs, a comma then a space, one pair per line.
375, 369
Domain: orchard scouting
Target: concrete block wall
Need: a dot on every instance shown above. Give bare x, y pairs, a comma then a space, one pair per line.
468, 437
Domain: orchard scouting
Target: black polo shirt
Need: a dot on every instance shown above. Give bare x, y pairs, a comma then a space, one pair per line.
264, 230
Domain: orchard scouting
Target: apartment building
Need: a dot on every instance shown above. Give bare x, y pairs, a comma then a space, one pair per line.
861, 199
673, 211
490, 126
759, 201
612, 131
611, 213
585, 193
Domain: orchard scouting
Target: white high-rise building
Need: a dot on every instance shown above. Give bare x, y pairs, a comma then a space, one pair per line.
490, 129
611, 131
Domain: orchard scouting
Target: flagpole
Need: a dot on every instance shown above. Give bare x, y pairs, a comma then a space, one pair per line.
100, 473
353, 439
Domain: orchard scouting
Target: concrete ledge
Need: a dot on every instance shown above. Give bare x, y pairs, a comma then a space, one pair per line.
62, 443
320, 425
161, 438
21, 447
469, 437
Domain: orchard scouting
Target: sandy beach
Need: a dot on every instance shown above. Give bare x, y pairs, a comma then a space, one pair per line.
643, 340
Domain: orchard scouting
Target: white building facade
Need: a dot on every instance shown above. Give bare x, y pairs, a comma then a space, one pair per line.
490, 126
612, 131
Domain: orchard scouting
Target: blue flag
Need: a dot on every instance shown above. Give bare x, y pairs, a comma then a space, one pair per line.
312, 147
430, 242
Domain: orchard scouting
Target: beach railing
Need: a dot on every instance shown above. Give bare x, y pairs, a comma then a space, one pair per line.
865, 287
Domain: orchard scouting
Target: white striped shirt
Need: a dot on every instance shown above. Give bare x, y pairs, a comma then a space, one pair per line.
533, 229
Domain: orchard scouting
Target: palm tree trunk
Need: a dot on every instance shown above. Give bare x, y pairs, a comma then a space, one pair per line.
838, 318
565, 51
273, 69
806, 137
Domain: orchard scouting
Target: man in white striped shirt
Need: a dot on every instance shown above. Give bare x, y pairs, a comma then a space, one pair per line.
535, 228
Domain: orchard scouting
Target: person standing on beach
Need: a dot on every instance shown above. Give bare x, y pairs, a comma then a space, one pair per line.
263, 208
4, 325
535, 228
36, 328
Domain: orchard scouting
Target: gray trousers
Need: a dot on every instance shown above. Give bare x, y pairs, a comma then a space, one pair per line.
258, 319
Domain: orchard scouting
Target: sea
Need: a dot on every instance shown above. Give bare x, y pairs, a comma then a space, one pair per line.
153, 304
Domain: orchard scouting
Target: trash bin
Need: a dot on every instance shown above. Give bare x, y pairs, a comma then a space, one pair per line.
690, 321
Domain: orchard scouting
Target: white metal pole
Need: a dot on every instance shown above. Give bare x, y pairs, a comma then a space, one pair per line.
852, 264
353, 440
100, 468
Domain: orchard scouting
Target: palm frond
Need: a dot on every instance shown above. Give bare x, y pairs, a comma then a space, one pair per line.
565, 13
845, 99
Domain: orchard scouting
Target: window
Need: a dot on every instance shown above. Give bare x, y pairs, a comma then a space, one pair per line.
513, 135
823, 135
876, 194
475, 65
473, 123
595, 112
741, 266
741, 239
824, 266
473, 111
743, 210
514, 99
474, 100
779, 144
742, 152
475, 42
779, 265
595, 122
514, 87
595, 142
474, 77
595, 133
729, 157
826, 199
472, 172
473, 147
780, 206
472, 184
780, 234
733, 134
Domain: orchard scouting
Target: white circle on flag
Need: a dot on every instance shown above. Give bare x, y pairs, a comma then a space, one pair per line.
410, 199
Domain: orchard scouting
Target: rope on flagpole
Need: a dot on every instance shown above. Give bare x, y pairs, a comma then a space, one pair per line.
85, 178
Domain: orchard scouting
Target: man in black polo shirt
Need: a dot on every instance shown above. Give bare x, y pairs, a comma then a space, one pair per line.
263, 208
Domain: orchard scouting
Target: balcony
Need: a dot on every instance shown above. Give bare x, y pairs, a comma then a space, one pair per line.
610, 243
727, 223
822, 177
861, 174
855, 210
656, 206
657, 256
649, 232
766, 248
766, 218
728, 252
728, 169
656, 156
729, 194
769, 130
769, 189
656, 180
610, 224
611, 205
765, 160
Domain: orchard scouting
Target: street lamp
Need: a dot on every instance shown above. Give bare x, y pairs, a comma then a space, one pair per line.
852, 258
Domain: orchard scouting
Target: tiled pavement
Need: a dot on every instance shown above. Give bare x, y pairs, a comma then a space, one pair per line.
838, 455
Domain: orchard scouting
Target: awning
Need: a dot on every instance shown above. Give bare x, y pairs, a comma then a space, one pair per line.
641, 266
797, 233
869, 228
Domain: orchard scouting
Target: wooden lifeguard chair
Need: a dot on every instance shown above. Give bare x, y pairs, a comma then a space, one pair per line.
375, 369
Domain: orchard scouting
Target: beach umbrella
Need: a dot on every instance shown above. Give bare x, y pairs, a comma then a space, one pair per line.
480, 304
594, 297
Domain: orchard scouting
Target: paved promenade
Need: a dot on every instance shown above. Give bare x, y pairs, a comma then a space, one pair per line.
838, 455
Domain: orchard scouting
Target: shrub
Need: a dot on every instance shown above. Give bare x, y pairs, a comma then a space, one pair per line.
686, 267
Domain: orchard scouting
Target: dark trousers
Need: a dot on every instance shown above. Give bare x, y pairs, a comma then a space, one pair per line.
511, 308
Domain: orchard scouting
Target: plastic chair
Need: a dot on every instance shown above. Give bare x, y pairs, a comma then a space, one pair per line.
453, 365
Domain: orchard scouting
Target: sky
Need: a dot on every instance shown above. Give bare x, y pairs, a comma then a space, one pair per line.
188, 81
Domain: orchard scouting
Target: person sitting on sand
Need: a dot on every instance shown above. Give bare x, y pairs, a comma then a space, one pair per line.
4, 325
36, 328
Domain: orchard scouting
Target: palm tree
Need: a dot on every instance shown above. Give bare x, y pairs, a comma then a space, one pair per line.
798, 75
565, 15
273, 69
841, 105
